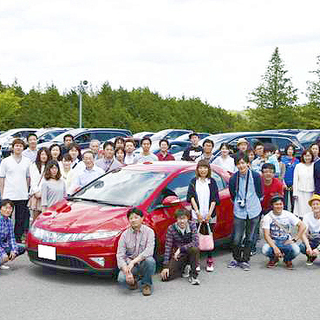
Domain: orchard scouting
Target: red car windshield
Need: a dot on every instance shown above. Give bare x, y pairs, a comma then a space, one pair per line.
122, 188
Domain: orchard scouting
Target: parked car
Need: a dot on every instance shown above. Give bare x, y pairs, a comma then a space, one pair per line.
82, 233
306, 137
289, 131
169, 134
84, 136
280, 140
140, 135
49, 134
7, 137
185, 137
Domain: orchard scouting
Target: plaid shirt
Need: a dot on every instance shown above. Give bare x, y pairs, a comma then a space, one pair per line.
133, 244
7, 239
175, 239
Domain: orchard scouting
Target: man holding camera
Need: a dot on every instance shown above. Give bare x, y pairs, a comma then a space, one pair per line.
246, 192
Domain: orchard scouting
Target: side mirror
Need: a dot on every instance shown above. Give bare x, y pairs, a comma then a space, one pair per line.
171, 200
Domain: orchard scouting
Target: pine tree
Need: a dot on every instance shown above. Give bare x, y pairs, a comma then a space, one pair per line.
275, 98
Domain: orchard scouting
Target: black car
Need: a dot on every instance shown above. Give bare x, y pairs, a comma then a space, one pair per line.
279, 140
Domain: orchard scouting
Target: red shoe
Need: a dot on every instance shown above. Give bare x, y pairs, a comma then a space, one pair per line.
273, 263
289, 265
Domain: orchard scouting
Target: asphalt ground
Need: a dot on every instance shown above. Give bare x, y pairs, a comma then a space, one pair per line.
32, 292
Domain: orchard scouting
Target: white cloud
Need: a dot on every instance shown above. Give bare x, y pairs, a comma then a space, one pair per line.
216, 50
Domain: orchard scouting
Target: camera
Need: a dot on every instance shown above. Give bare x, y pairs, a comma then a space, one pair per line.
241, 203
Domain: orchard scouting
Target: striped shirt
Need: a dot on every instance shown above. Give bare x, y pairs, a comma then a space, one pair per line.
175, 239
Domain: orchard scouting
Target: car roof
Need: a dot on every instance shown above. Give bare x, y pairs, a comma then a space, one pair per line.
169, 167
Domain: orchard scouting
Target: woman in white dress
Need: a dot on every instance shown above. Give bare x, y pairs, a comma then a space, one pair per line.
303, 184
36, 178
225, 161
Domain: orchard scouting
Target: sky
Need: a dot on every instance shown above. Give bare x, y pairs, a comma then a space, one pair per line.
216, 50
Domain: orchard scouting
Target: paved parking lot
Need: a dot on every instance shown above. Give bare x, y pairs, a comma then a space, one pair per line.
31, 292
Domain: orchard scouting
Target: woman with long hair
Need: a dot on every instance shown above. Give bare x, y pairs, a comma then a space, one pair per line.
303, 183
204, 197
36, 178
224, 160
53, 188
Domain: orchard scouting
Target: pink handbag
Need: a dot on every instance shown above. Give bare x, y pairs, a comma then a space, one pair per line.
205, 240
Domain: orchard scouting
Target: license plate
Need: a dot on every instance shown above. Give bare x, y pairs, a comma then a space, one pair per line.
47, 252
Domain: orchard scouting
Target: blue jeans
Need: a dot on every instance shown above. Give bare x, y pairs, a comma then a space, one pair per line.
241, 226
314, 243
145, 269
290, 251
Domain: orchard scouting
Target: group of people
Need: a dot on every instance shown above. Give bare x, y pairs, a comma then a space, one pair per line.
261, 188
269, 189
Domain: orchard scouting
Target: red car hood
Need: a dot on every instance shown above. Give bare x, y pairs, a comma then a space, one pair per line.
77, 217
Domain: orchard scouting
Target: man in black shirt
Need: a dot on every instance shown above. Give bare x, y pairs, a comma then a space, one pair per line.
194, 151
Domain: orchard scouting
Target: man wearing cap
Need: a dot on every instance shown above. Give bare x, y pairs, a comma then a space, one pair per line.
195, 150
277, 226
242, 146
311, 237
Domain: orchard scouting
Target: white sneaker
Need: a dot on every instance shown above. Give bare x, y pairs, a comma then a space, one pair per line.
198, 268
210, 268
4, 267
186, 271
194, 281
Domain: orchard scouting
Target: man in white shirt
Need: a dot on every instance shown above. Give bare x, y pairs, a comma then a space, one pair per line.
311, 237
129, 147
277, 225
146, 155
31, 151
85, 176
14, 184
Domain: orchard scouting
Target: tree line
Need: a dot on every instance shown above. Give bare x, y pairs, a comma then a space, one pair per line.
275, 105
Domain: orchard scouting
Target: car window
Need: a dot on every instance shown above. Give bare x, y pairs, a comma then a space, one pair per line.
176, 148
83, 138
282, 143
254, 140
219, 181
104, 136
174, 134
179, 185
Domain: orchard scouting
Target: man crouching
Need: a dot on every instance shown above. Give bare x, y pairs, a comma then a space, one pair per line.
135, 254
182, 254
9, 249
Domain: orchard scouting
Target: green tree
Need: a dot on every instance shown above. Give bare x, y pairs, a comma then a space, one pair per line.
9, 105
275, 98
313, 89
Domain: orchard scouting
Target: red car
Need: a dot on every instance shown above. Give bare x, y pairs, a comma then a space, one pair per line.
82, 233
